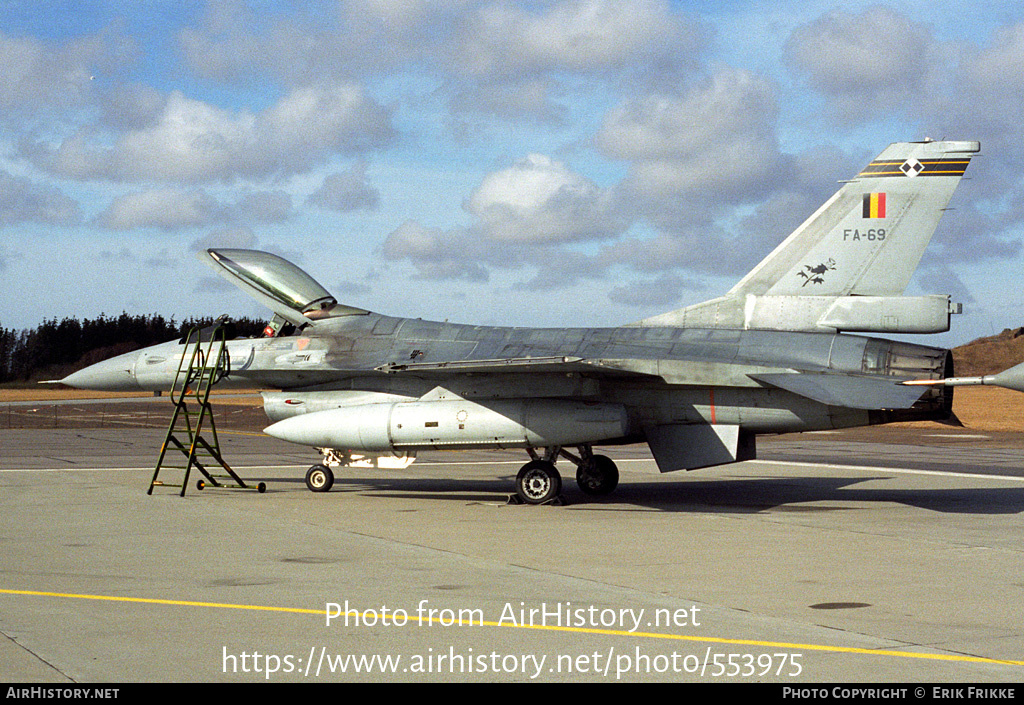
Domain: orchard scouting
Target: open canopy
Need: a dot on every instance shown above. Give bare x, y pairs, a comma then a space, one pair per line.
286, 289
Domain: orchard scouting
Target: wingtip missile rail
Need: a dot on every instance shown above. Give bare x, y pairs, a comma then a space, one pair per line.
1013, 378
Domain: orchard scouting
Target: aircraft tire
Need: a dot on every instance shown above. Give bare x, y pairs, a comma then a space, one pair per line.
319, 478
538, 482
599, 477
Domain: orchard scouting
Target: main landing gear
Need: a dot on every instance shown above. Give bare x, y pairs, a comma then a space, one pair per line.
539, 482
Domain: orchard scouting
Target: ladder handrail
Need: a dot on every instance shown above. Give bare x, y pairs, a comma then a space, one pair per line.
199, 361
206, 367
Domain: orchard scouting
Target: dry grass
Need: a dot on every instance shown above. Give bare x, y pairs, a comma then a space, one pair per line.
61, 394
989, 408
986, 356
45, 394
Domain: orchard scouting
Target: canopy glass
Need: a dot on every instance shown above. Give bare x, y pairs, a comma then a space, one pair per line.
276, 277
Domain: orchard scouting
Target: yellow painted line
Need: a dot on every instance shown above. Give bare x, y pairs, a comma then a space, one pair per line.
153, 601
369, 614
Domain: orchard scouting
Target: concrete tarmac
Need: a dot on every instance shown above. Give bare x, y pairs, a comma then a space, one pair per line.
893, 558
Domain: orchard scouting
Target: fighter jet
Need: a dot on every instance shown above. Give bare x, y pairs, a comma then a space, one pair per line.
790, 348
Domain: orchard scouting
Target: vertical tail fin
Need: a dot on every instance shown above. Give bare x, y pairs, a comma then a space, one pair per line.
869, 237
847, 266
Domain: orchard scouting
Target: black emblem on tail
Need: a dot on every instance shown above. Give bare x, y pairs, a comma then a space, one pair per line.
816, 275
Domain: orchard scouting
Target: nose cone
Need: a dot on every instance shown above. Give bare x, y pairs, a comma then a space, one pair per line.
114, 375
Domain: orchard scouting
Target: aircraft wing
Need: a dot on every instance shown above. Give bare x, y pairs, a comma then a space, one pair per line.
834, 389
533, 364
851, 391
552, 363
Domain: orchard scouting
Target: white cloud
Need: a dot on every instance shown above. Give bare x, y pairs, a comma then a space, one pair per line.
21, 200
717, 141
236, 42
174, 209
132, 106
540, 200
702, 250
499, 57
525, 217
260, 207
226, 45
193, 141
505, 38
1001, 65
664, 292
529, 97
482, 39
873, 51
438, 254
235, 237
167, 209
346, 191
990, 80
38, 73
864, 62
512, 57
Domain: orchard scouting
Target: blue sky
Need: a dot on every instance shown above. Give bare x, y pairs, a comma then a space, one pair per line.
561, 163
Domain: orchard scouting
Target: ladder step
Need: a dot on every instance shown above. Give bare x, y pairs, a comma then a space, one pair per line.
196, 438
204, 364
199, 444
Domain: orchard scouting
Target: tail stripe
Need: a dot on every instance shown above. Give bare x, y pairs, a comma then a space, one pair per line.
928, 167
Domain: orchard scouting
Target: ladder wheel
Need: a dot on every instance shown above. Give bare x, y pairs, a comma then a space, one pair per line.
262, 487
319, 478
200, 485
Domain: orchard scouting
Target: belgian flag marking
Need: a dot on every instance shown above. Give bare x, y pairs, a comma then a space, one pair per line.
874, 205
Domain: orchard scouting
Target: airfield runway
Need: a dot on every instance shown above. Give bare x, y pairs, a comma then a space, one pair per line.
882, 556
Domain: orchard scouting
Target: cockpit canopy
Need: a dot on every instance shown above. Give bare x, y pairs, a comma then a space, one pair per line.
287, 290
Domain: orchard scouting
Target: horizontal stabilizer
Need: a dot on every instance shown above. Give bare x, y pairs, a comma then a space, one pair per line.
861, 314
845, 390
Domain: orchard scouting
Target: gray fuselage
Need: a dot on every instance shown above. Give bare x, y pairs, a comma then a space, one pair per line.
662, 375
